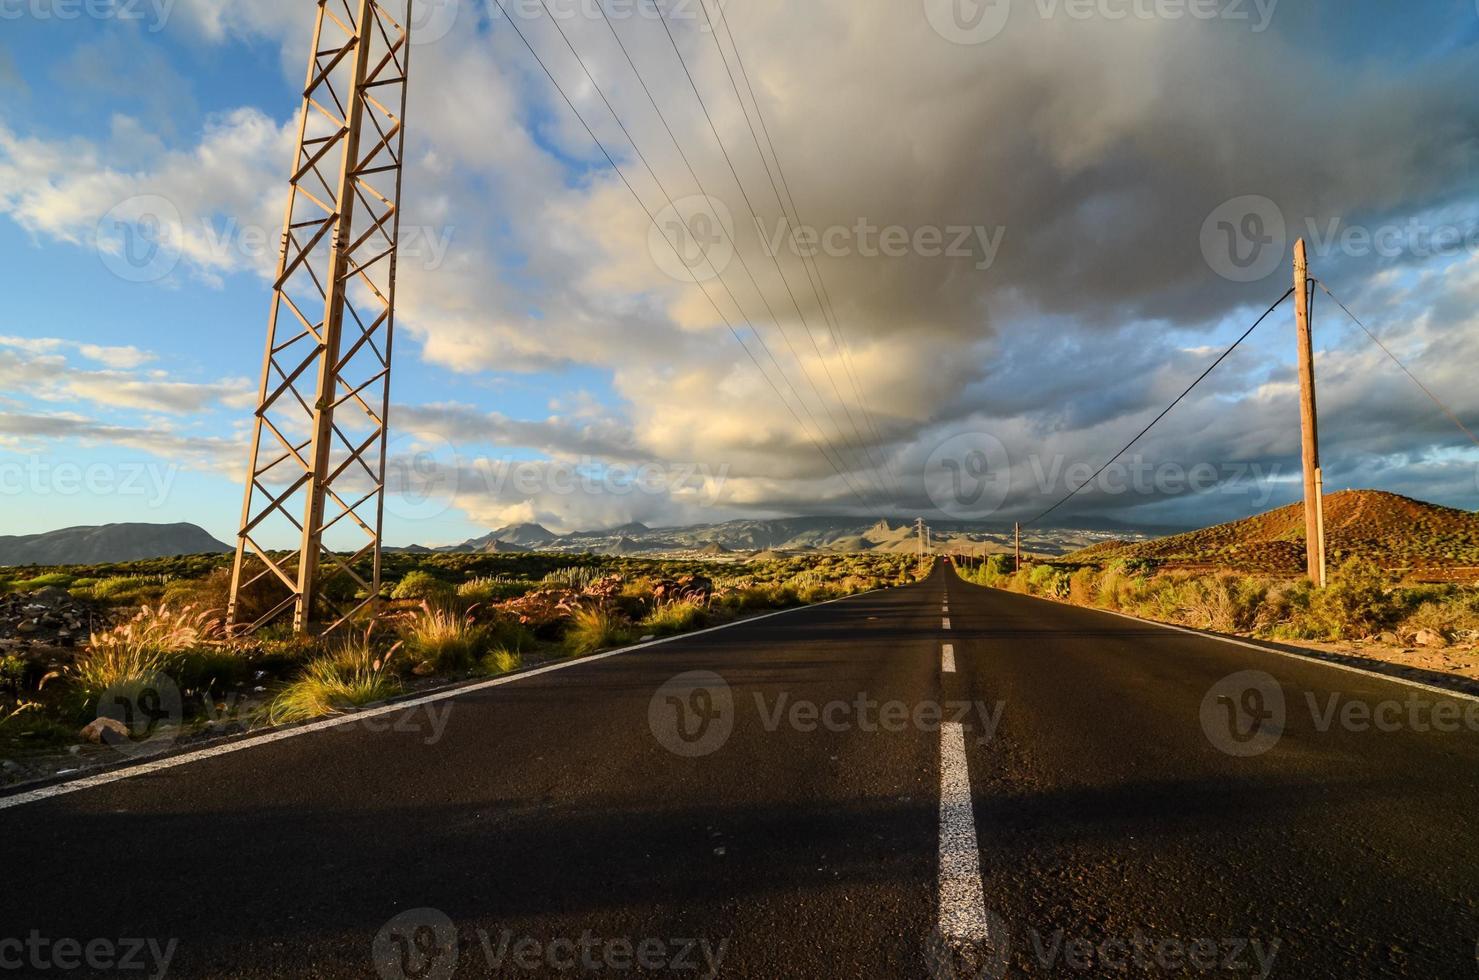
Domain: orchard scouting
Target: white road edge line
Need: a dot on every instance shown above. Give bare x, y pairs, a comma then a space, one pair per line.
947, 659
349, 718
1374, 674
962, 895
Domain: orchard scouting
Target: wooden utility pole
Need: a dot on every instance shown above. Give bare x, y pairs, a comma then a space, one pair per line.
919, 529
1309, 431
1017, 534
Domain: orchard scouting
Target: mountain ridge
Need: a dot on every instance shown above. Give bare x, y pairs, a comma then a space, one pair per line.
94, 544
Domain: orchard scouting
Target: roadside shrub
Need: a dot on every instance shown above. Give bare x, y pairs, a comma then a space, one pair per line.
1354, 603
352, 673
677, 616
422, 586
501, 661
1083, 586
1226, 603
130, 657
592, 628
443, 638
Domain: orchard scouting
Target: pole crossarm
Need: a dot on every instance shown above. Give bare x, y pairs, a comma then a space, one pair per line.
317, 459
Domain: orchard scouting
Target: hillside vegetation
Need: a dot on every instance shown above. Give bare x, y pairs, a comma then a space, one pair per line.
154, 633
1396, 533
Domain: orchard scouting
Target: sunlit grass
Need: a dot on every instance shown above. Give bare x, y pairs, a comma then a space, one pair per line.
677, 616
593, 628
349, 675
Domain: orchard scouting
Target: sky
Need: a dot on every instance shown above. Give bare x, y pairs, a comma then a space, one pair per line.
888, 259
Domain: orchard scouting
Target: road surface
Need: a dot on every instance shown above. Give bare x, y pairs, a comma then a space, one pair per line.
1062, 792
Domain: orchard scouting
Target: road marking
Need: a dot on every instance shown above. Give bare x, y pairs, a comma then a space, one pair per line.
962, 897
947, 659
946, 622
349, 718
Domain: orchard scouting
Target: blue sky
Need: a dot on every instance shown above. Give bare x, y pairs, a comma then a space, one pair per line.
541, 327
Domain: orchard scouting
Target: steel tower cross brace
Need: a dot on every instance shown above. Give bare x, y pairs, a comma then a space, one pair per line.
317, 458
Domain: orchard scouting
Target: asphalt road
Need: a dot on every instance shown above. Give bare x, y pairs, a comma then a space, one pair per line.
1104, 807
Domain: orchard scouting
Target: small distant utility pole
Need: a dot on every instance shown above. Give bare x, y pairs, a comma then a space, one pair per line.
919, 531
1309, 431
1017, 534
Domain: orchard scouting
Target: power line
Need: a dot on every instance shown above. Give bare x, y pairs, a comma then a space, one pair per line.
651, 217
641, 80
754, 214
793, 217
1395, 360
1200, 378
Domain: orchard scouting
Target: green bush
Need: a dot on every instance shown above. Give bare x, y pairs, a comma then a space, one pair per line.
422, 586
1356, 602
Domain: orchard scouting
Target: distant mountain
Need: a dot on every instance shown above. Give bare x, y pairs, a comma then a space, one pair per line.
1394, 531
107, 543
779, 535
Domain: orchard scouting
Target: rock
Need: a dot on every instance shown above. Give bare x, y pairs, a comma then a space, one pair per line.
1430, 638
1389, 638
10, 765
100, 728
51, 596
27, 626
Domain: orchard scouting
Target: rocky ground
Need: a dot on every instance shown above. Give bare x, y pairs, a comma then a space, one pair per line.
48, 617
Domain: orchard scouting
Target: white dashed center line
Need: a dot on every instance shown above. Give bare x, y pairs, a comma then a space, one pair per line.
962, 898
947, 659
946, 623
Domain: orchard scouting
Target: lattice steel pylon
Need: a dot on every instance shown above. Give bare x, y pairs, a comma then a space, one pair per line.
317, 462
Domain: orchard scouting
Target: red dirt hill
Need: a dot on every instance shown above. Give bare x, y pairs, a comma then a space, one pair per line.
1397, 532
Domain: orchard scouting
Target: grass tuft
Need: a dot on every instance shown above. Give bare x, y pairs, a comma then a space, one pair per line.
446, 639
349, 675
593, 628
